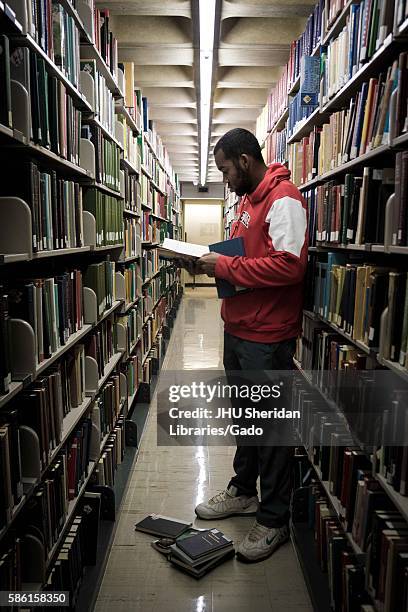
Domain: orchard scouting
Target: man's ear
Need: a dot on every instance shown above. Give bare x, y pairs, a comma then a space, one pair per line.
244, 161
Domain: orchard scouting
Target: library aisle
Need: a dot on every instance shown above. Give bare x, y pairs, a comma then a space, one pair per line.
172, 481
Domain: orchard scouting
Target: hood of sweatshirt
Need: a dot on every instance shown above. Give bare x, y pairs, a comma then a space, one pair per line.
274, 175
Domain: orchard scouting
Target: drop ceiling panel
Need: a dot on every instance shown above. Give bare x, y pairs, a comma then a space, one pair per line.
170, 76
176, 115
240, 98
235, 115
268, 32
170, 8
141, 30
265, 8
248, 77
160, 96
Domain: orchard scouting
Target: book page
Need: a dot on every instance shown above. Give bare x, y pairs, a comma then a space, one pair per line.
175, 248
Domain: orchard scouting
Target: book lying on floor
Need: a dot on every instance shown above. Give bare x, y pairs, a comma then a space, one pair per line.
199, 553
162, 545
163, 526
200, 570
204, 544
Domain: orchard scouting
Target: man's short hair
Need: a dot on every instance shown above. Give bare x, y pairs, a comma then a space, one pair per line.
237, 142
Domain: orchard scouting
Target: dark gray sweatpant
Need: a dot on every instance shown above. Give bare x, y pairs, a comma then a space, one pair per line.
271, 463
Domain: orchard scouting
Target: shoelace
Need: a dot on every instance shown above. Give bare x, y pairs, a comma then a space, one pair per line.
257, 532
219, 497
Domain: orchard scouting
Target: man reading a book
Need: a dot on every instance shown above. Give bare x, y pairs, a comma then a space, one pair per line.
261, 325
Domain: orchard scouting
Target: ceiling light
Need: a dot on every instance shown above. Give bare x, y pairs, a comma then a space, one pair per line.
207, 24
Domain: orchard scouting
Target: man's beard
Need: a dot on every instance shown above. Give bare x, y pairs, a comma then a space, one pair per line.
244, 182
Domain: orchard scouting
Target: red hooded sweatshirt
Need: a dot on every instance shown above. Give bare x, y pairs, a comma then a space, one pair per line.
273, 222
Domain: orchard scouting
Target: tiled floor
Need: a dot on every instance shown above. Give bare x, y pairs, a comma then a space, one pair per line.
171, 481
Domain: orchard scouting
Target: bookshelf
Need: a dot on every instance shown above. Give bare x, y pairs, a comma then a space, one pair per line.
351, 133
80, 319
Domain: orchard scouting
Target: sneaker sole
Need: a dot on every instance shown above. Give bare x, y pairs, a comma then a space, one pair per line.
225, 515
244, 559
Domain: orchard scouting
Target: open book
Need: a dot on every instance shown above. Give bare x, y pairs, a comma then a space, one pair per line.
176, 249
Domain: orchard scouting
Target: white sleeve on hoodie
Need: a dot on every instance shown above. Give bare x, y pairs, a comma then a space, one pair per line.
287, 225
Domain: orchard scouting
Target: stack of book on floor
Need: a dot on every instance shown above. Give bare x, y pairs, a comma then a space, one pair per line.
195, 551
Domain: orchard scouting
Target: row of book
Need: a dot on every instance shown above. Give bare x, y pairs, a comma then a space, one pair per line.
133, 96
154, 230
111, 456
354, 297
100, 277
55, 204
132, 323
57, 34
78, 549
104, 413
368, 117
364, 126
43, 407
105, 41
133, 283
353, 211
366, 29
159, 204
331, 11
132, 195
51, 119
131, 145
298, 113
276, 147
278, 99
101, 344
103, 99
107, 157
146, 191
132, 235
65, 477
151, 294
134, 371
150, 263
306, 43
52, 306
360, 515
153, 167
108, 213
384, 578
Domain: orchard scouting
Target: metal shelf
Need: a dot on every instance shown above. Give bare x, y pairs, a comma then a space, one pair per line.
317, 118
121, 109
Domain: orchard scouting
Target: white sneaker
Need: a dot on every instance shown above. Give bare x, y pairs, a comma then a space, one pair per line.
227, 503
260, 542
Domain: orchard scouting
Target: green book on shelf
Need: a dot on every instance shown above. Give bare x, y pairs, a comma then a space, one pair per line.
54, 112
43, 94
